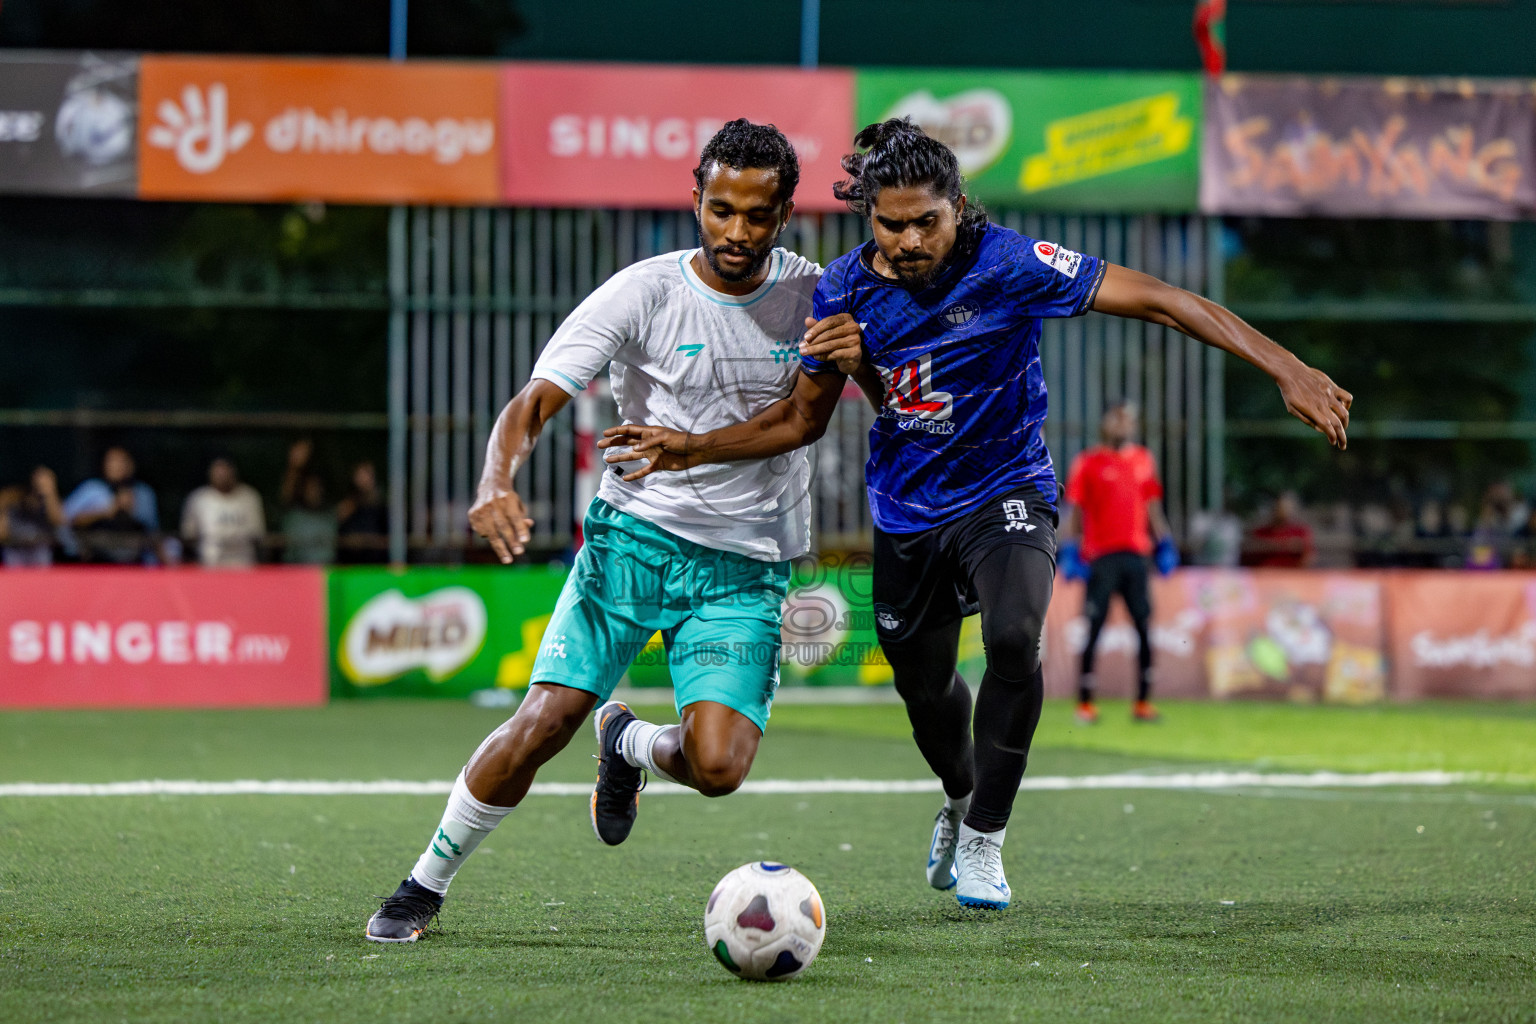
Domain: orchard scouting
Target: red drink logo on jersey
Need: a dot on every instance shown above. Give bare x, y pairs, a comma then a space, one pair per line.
909, 391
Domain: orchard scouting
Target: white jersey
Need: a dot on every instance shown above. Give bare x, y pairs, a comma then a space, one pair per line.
688, 357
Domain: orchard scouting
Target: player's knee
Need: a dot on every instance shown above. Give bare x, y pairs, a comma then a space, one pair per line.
715, 774
1015, 639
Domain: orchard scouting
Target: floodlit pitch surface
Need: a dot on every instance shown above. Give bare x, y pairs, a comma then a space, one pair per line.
1263, 904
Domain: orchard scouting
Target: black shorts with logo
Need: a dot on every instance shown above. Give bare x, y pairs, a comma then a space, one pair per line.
923, 580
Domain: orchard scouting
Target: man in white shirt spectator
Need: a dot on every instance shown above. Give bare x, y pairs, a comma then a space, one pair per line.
224, 520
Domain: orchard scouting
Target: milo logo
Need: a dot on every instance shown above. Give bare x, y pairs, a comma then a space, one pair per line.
976, 124
392, 634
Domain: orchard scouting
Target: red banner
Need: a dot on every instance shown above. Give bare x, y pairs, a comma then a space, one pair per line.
610, 135
176, 638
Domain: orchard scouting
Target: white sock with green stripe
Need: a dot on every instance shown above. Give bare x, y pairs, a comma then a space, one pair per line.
465, 823
637, 743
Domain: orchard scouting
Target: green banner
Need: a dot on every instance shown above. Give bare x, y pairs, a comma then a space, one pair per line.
451, 632
1070, 141
436, 632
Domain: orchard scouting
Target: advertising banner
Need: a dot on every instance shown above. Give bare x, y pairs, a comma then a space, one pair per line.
629, 136
67, 124
1293, 146
78, 637
1313, 636
1055, 140
436, 632
1463, 635
342, 130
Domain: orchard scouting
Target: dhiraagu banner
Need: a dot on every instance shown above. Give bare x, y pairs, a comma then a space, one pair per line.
437, 632
1075, 141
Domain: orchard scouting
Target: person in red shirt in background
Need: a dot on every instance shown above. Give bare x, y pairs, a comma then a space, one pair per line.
1115, 503
1285, 541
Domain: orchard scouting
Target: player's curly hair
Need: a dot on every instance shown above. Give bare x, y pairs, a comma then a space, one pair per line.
899, 154
742, 144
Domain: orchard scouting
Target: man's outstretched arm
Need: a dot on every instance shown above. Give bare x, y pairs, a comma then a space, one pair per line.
787, 424
1309, 394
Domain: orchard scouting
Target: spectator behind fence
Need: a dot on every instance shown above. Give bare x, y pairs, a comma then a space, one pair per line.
97, 499
119, 538
309, 526
1493, 538
224, 519
363, 520
30, 519
1284, 541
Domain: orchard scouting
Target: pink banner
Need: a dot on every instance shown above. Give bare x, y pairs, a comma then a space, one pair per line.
177, 638
614, 135
1235, 634
1463, 635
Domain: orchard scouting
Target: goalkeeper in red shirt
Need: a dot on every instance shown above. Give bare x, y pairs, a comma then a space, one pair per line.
1116, 508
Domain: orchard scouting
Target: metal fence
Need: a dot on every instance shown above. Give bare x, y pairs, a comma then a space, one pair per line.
476, 294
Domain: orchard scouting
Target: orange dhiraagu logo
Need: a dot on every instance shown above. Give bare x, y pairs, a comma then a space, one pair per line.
1112, 139
311, 129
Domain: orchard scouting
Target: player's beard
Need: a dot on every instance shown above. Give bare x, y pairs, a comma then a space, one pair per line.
755, 261
916, 275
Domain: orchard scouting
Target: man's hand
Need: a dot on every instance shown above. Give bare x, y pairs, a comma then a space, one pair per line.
499, 517
1317, 401
837, 339
662, 447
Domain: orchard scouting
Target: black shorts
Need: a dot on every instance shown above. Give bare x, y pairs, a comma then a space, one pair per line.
1123, 573
923, 580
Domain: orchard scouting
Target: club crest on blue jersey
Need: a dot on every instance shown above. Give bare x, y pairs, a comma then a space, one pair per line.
959, 314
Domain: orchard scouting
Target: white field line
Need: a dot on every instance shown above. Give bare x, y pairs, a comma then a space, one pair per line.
1208, 780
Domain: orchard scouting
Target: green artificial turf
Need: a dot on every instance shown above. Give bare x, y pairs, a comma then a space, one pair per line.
1289, 905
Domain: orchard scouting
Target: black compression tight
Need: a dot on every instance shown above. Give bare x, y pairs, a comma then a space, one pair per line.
1013, 585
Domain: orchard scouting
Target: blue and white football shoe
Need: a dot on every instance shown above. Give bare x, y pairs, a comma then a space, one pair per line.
941, 851
979, 880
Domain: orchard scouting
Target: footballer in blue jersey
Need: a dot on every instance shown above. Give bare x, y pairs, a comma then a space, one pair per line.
960, 483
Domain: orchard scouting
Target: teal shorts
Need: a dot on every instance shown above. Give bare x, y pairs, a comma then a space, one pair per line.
718, 613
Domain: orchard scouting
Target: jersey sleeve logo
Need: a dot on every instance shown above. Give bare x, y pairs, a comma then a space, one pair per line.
1062, 260
909, 391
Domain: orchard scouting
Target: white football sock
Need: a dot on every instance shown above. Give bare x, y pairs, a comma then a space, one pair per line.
957, 807
465, 823
637, 743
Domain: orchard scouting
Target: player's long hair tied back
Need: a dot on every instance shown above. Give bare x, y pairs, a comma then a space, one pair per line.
899, 154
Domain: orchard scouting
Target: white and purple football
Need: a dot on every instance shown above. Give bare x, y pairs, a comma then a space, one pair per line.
765, 921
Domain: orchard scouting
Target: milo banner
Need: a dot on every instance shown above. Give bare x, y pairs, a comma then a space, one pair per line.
1055, 140
1293, 146
67, 124
436, 632
450, 632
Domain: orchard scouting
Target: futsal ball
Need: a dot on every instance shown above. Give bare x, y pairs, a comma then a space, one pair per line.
765, 921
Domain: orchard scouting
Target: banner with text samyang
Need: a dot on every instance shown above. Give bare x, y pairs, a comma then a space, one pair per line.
342, 130
1293, 146
78, 637
1235, 634
1463, 634
630, 135
1055, 140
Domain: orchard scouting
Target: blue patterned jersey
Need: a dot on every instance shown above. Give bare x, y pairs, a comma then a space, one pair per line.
964, 395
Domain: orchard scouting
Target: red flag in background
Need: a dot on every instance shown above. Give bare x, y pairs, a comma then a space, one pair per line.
1211, 34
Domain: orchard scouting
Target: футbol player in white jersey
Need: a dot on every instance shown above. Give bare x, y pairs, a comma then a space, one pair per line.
697, 340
